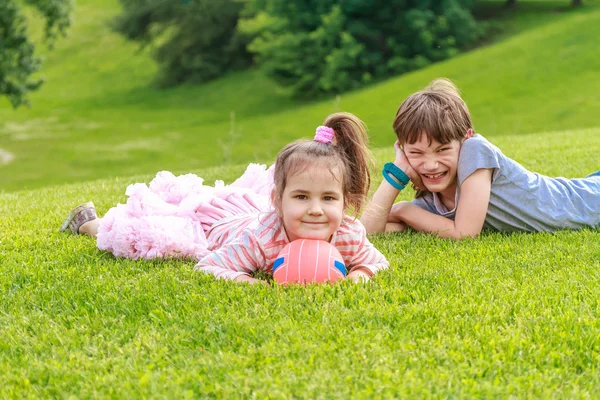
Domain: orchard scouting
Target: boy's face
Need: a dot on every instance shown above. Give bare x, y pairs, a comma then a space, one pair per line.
436, 164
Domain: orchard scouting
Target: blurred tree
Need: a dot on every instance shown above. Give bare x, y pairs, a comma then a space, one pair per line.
328, 46
194, 40
18, 61
574, 3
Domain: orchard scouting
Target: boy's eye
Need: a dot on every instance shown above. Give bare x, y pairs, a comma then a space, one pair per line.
445, 149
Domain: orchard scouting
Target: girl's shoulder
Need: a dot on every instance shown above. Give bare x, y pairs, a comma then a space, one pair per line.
263, 226
351, 225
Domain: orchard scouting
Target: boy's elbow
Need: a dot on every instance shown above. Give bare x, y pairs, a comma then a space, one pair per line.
370, 227
460, 235
373, 228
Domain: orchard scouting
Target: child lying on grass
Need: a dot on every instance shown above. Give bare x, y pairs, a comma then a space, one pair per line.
464, 183
240, 229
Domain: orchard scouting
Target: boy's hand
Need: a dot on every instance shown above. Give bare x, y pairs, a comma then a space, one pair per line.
402, 162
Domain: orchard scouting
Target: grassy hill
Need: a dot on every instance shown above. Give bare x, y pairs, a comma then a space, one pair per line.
98, 115
497, 317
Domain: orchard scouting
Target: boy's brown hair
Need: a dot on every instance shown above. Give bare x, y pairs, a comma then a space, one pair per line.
438, 111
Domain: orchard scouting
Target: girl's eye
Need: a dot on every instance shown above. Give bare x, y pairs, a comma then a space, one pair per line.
328, 198
300, 197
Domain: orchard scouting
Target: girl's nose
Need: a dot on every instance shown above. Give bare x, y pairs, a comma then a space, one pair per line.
315, 208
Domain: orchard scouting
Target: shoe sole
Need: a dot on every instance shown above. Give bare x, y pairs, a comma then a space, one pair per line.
73, 214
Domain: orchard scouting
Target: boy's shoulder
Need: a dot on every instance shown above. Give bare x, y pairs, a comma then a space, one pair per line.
478, 145
476, 140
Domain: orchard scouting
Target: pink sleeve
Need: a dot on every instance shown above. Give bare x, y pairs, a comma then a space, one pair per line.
242, 256
366, 255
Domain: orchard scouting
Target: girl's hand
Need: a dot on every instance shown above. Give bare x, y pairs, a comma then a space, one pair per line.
358, 275
250, 280
402, 162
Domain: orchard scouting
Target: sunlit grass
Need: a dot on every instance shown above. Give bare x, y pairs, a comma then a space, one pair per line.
500, 316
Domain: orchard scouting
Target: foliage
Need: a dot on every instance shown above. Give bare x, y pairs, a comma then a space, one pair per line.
498, 317
327, 46
18, 61
194, 40
574, 3
98, 115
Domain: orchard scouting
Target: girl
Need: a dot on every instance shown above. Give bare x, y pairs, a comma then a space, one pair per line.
235, 230
464, 183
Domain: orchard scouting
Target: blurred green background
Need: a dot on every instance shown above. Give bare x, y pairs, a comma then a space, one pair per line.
102, 112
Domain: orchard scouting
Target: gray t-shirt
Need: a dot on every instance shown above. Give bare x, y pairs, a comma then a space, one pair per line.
521, 200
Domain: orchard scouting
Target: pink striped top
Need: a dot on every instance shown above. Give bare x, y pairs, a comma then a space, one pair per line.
244, 244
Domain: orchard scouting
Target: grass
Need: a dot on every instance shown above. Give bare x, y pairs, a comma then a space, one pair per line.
497, 317
501, 316
99, 116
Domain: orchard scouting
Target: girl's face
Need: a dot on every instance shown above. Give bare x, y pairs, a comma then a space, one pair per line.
312, 204
436, 163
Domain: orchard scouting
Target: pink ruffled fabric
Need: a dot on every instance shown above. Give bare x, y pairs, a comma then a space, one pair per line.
169, 217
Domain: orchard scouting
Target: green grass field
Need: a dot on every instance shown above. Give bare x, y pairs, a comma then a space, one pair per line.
501, 316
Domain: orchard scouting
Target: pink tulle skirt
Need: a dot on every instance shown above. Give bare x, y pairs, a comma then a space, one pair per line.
169, 217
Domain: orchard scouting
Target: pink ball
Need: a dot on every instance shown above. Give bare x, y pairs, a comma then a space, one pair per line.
308, 261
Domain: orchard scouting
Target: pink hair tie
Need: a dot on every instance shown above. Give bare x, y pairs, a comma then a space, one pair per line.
324, 134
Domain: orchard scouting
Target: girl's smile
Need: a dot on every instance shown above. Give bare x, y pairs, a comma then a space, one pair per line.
312, 204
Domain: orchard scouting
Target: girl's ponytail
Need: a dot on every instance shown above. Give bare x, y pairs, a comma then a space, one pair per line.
351, 143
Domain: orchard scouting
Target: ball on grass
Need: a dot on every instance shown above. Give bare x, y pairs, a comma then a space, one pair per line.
308, 261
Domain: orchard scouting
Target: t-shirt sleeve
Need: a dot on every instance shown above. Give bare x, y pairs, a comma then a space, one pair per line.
426, 203
477, 153
242, 256
364, 253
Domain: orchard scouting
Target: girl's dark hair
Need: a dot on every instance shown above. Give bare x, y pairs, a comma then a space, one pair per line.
348, 153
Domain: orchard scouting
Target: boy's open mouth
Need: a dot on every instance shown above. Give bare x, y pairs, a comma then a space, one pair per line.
435, 176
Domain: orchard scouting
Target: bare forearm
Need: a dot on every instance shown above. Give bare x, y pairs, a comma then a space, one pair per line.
377, 213
425, 221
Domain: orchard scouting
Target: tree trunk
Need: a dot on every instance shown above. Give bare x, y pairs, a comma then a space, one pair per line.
577, 3
513, 3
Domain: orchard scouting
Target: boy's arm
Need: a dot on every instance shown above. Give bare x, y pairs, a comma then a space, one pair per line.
377, 213
470, 212
376, 217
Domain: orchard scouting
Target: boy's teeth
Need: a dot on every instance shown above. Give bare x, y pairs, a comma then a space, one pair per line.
434, 176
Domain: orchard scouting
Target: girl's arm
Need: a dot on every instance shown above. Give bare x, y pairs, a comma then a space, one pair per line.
235, 261
470, 211
366, 260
